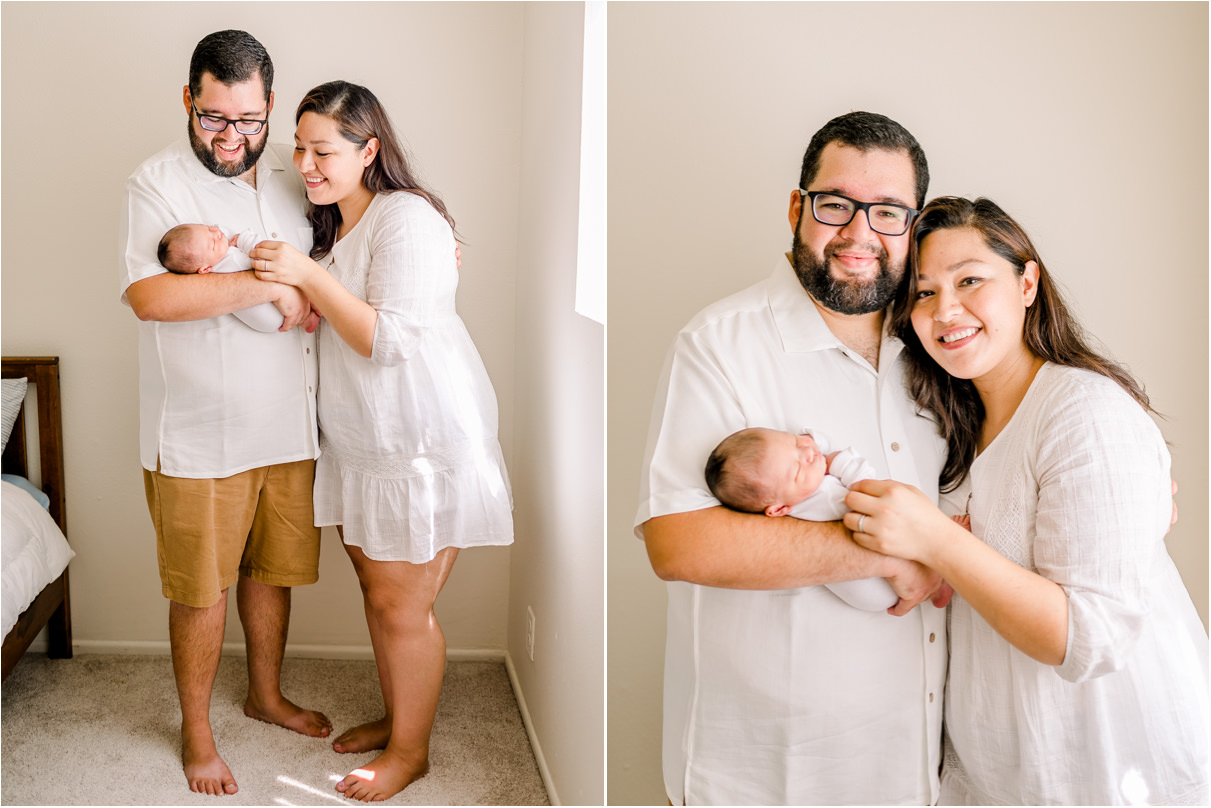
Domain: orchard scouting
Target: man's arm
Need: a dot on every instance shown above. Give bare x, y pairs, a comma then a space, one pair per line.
731, 550
178, 298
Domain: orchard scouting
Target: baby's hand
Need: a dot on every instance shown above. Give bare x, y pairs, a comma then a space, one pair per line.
828, 460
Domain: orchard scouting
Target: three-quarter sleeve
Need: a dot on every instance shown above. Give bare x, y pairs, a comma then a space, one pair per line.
412, 275
1103, 508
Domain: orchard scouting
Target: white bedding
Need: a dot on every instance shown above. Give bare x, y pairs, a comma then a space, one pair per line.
35, 552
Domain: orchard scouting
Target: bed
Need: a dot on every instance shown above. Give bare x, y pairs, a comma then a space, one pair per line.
35, 549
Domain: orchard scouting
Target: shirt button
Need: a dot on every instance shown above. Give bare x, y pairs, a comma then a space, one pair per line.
308, 350
273, 235
931, 698
895, 447
932, 636
308, 389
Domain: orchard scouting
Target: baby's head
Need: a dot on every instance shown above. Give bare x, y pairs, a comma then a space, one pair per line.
765, 471
190, 248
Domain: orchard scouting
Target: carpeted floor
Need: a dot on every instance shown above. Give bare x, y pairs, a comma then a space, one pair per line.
105, 730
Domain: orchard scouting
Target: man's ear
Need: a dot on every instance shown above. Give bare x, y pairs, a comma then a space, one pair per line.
188, 101
777, 510
270, 104
796, 209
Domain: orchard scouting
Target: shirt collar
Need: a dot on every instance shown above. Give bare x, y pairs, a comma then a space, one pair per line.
799, 323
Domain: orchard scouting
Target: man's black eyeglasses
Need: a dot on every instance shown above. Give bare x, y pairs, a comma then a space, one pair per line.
837, 210
213, 123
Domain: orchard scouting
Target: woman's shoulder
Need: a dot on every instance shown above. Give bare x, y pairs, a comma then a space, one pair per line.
402, 211
1069, 394
405, 205
1063, 381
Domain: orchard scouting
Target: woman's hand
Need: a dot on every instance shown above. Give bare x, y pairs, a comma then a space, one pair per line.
280, 262
895, 519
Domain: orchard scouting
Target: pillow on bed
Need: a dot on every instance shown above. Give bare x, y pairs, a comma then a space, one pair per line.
25, 485
14, 394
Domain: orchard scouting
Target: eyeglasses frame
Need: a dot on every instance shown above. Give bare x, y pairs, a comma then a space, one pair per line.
230, 122
859, 206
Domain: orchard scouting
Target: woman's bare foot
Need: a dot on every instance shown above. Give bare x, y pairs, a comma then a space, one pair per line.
364, 737
204, 769
384, 777
291, 716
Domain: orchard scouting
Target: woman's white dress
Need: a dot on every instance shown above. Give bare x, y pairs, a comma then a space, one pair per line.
1077, 488
410, 463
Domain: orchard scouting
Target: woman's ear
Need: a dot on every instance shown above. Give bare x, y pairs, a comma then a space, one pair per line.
1030, 282
369, 152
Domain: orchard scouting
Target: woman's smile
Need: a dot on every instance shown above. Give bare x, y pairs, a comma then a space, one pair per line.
956, 338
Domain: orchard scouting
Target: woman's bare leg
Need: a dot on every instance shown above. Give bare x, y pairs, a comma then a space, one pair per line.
412, 660
372, 734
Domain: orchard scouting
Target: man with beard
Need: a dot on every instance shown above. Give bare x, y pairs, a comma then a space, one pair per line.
228, 435
777, 692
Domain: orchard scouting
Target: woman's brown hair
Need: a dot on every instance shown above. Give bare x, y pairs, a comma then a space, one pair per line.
1051, 332
359, 116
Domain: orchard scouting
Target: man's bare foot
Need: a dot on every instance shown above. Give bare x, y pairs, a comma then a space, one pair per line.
384, 777
364, 737
205, 770
291, 716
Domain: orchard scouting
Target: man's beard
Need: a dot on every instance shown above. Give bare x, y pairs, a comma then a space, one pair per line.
224, 169
845, 296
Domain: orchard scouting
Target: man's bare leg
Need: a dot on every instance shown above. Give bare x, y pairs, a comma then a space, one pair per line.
372, 734
196, 639
402, 596
265, 615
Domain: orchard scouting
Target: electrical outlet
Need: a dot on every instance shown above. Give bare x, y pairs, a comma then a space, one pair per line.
530, 632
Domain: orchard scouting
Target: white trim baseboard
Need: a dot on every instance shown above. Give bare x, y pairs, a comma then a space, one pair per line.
543, 770
161, 647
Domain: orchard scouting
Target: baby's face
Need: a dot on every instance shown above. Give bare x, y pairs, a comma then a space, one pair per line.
792, 465
206, 245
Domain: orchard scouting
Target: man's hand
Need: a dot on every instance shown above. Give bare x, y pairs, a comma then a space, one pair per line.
914, 583
313, 320
295, 308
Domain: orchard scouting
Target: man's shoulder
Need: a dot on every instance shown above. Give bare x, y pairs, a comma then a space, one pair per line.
749, 303
169, 158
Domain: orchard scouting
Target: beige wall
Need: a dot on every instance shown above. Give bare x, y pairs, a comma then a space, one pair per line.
454, 77
557, 571
1086, 121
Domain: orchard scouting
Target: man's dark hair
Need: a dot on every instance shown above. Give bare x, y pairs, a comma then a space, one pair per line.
866, 131
231, 57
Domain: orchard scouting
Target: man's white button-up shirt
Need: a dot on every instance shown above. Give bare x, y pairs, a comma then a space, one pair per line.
215, 396
790, 697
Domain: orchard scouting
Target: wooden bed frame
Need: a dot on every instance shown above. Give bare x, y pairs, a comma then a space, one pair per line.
52, 607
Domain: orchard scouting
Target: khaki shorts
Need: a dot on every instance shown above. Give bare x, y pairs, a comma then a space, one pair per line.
257, 523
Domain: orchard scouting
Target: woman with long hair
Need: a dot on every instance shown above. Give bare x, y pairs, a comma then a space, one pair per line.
1078, 665
410, 468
